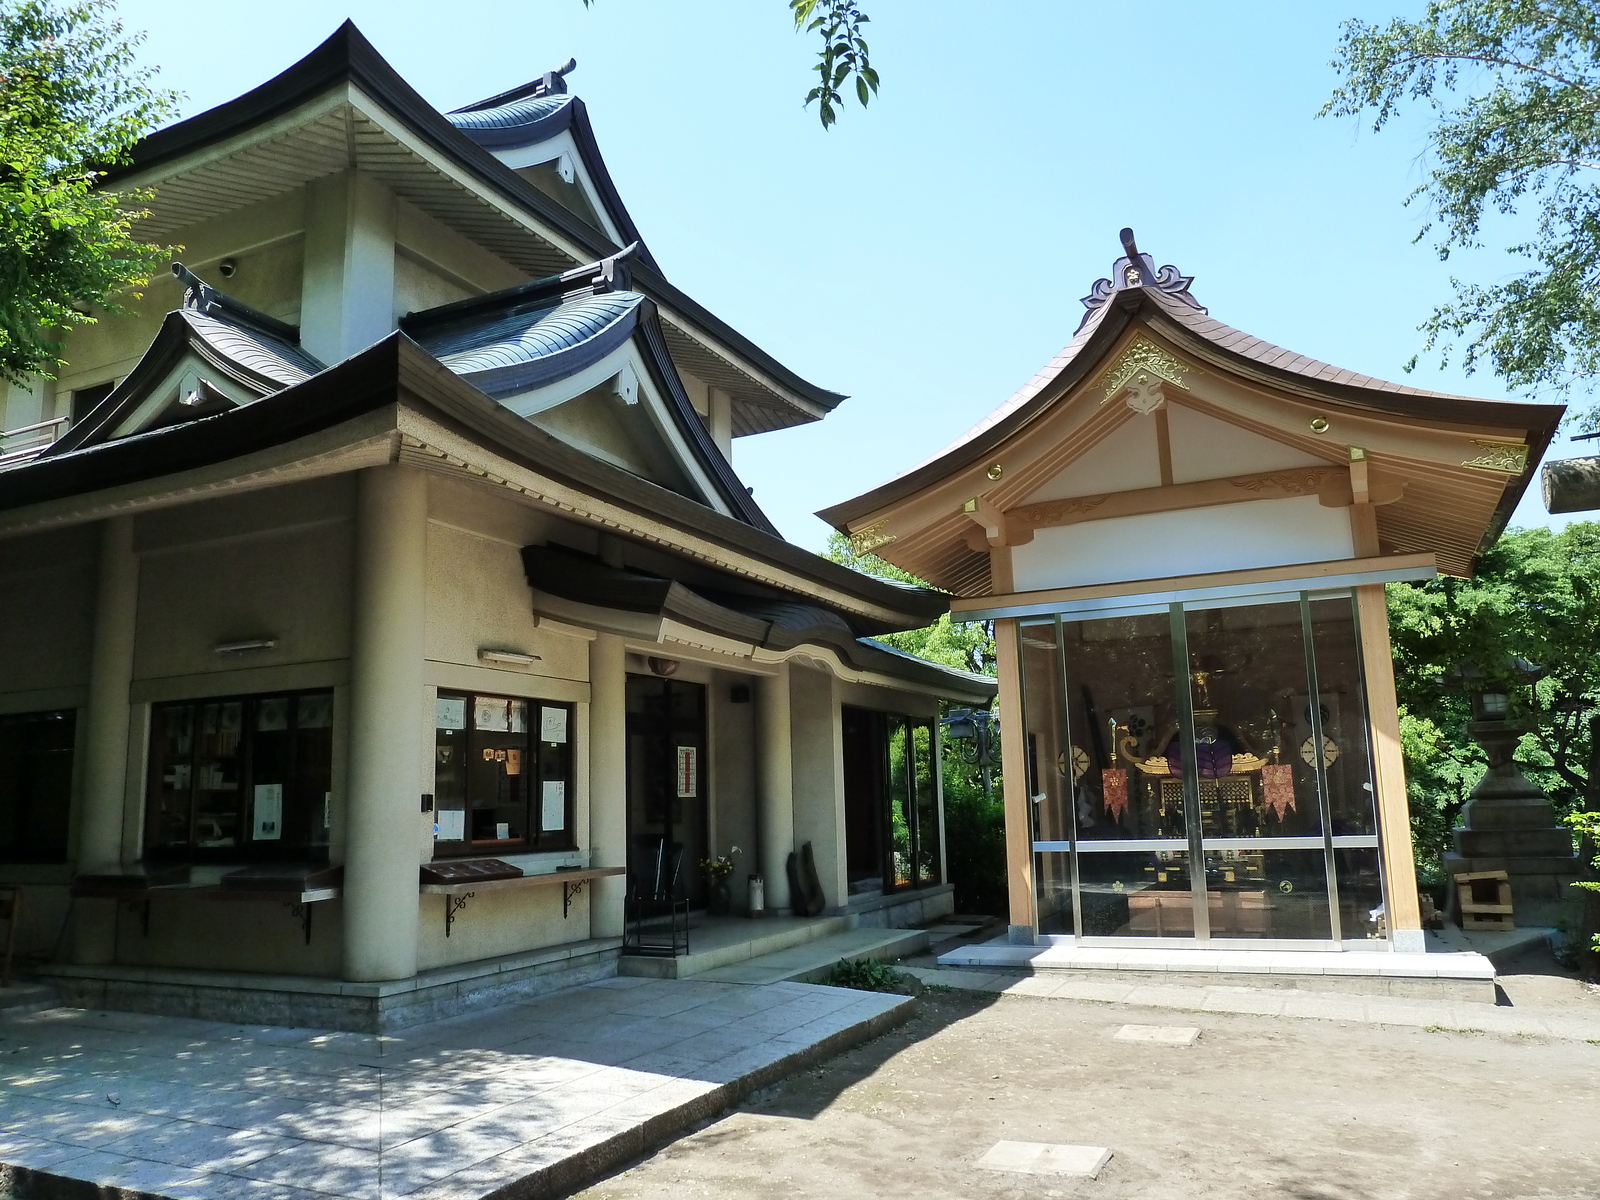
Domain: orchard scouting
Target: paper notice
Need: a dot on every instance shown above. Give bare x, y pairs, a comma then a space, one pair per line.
452, 825
553, 810
552, 724
269, 812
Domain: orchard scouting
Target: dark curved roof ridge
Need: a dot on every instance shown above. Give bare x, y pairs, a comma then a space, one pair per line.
243, 352
347, 56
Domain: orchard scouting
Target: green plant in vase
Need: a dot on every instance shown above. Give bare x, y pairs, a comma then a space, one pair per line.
717, 870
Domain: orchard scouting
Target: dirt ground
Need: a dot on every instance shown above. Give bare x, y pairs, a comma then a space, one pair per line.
1258, 1107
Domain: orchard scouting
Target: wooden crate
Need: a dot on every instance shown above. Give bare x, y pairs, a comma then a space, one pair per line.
1485, 901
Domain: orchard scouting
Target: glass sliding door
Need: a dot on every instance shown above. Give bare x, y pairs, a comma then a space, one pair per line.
1194, 775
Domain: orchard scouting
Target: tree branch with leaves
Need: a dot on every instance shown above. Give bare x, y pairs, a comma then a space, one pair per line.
72, 104
842, 59
1514, 90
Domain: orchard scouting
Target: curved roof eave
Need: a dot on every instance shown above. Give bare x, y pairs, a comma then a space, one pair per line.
1224, 346
346, 56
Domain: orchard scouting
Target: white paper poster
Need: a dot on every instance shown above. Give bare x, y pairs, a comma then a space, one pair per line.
552, 724
451, 825
450, 712
688, 771
554, 814
269, 812
492, 715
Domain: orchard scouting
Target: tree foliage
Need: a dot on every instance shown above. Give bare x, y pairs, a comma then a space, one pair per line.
72, 103
966, 646
842, 56
1514, 90
1536, 596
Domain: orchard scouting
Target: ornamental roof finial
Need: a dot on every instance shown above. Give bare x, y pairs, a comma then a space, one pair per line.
1138, 270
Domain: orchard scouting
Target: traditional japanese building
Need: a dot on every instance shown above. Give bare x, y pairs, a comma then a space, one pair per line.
1183, 535
384, 624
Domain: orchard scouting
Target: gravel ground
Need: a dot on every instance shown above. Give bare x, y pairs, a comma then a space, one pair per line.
1257, 1107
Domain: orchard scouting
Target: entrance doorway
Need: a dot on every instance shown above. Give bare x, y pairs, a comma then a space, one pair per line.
666, 786
891, 801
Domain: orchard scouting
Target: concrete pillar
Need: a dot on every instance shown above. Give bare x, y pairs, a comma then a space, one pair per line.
347, 293
388, 736
817, 750
105, 741
608, 781
720, 419
774, 785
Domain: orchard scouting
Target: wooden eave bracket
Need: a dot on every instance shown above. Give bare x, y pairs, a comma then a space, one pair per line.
991, 522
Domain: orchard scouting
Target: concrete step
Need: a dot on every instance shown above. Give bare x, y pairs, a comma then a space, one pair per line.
811, 962
25, 995
723, 942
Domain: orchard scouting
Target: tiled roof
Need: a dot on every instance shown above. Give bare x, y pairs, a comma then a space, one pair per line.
528, 349
521, 122
260, 353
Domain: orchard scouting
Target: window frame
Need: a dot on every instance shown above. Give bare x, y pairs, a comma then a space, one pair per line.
535, 752
51, 853
247, 849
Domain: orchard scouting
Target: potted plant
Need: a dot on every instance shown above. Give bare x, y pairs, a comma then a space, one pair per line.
717, 869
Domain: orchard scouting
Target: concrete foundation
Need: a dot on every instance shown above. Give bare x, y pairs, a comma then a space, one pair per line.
307, 1003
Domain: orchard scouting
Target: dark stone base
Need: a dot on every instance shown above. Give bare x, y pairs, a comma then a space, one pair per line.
1541, 887
309, 1003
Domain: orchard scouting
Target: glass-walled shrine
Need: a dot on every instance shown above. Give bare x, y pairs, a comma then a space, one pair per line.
1202, 772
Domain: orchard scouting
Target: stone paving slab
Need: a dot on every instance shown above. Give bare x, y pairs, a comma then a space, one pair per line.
526, 1100
1330, 1006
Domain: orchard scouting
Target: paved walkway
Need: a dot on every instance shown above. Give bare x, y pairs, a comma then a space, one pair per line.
1280, 1002
549, 1092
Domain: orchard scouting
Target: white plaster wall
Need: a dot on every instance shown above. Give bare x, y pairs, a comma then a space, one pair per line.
1229, 537
496, 922
817, 747
1206, 448
1126, 459
291, 585
47, 588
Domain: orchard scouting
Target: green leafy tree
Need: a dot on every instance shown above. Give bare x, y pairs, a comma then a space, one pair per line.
968, 646
1536, 596
974, 818
72, 103
842, 55
1513, 87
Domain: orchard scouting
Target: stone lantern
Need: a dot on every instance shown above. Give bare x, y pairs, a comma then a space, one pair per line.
1508, 824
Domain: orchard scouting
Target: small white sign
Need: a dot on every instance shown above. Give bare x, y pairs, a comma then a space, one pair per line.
553, 814
451, 825
491, 715
502, 831
450, 712
552, 724
269, 812
688, 771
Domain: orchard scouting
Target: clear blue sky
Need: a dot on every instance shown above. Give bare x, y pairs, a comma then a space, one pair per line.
926, 256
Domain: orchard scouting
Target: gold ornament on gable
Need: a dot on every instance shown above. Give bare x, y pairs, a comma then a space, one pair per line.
1499, 456
869, 537
1144, 363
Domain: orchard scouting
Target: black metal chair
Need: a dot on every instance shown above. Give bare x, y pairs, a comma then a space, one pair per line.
658, 918
11, 914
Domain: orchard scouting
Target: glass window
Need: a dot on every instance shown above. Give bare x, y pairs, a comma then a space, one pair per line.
926, 808
502, 774
35, 786
244, 777
1203, 771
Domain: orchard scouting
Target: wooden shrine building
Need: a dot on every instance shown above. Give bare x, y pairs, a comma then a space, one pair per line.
1183, 535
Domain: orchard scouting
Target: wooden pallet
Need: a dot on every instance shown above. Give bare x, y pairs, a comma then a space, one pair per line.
1485, 901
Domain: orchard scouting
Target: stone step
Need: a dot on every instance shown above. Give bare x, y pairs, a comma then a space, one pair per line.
733, 940
27, 995
811, 962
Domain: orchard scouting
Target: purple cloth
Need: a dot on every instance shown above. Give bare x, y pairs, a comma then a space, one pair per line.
1214, 759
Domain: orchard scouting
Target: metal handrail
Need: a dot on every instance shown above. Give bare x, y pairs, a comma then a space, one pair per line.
43, 434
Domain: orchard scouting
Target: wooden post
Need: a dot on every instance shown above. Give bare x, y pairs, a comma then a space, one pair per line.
1394, 811
1019, 843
